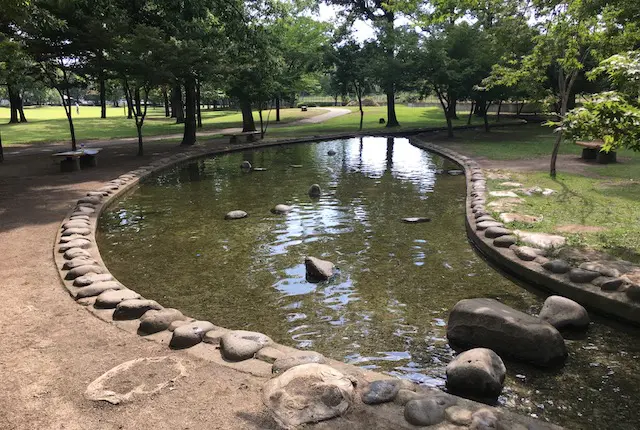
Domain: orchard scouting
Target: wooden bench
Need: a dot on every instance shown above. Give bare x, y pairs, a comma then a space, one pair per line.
250, 136
74, 160
592, 150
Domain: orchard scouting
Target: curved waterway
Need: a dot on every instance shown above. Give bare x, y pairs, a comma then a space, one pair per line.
387, 309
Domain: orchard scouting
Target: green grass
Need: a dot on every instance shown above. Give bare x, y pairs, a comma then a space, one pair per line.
593, 195
49, 124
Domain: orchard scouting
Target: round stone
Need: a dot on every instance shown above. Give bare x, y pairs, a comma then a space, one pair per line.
557, 266
93, 200
562, 312
427, 411
494, 232
91, 278
245, 165
78, 261
154, 321
317, 269
76, 272
83, 231
301, 357
237, 214
84, 210
612, 284
331, 152
486, 224
98, 288
111, 299
281, 209
526, 253
66, 239
190, 334
381, 391
485, 218
505, 241
404, 396
79, 216
239, 345
476, 374
581, 276
458, 415
78, 223
315, 191
133, 309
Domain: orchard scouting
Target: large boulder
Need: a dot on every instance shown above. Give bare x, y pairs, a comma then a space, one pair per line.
476, 374
561, 313
306, 394
487, 323
318, 269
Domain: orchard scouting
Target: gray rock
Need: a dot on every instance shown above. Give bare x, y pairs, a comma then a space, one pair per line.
541, 260
98, 288
239, 345
412, 220
557, 266
505, 241
76, 223
281, 209
82, 231
488, 323
111, 299
237, 214
245, 165
483, 225
78, 271
331, 152
76, 243
319, 269
154, 321
485, 218
79, 216
92, 200
483, 419
476, 374
314, 191
90, 278
80, 209
458, 415
562, 312
612, 284
428, 411
78, 261
213, 336
381, 391
133, 309
633, 292
493, 232
190, 334
455, 172
268, 354
179, 323
604, 270
525, 253
404, 396
306, 394
581, 276
66, 239
301, 357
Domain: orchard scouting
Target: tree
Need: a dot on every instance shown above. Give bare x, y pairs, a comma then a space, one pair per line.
15, 69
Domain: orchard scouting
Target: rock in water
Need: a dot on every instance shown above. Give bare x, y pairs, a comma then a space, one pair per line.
281, 209
488, 323
245, 165
237, 214
331, 152
476, 374
561, 312
315, 191
306, 394
416, 219
317, 269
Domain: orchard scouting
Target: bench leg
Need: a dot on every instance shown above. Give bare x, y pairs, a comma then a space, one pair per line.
70, 164
589, 153
88, 161
606, 157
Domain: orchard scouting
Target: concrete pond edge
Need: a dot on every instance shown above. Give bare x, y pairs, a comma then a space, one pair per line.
77, 233
607, 293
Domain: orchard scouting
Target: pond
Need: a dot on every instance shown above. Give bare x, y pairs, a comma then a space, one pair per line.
387, 309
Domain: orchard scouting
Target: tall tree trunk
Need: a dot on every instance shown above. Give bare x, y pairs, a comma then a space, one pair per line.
165, 98
453, 109
565, 88
449, 127
486, 117
247, 116
278, 108
67, 110
174, 107
177, 108
20, 107
103, 96
359, 94
392, 120
471, 112
129, 109
499, 110
140, 146
262, 130
137, 100
189, 137
13, 107
198, 112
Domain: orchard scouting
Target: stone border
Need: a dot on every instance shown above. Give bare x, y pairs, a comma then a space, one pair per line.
79, 237
596, 286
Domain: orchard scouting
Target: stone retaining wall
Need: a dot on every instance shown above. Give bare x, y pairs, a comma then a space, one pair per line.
77, 236
604, 289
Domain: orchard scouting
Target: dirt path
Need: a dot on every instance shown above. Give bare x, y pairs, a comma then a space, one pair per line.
52, 348
48, 148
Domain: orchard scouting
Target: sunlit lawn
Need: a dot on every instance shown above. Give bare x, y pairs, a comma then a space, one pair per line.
49, 124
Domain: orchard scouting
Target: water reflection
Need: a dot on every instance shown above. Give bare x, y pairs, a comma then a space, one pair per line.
388, 307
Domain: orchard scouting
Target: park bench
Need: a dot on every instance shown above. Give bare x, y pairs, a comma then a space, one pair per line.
591, 150
235, 137
75, 160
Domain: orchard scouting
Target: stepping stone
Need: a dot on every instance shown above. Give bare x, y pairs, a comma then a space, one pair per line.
526, 253
486, 224
154, 321
239, 345
493, 232
557, 266
78, 271
505, 203
78, 261
90, 278
604, 270
245, 165
237, 214
503, 194
318, 269
540, 240
514, 217
76, 243
314, 191
82, 231
612, 285
485, 218
505, 241
511, 184
77, 223
111, 299
562, 312
281, 209
428, 411
134, 309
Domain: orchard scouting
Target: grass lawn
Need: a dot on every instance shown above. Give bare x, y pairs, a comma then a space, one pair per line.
49, 123
606, 196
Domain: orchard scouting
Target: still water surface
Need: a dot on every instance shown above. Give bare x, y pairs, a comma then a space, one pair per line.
387, 309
